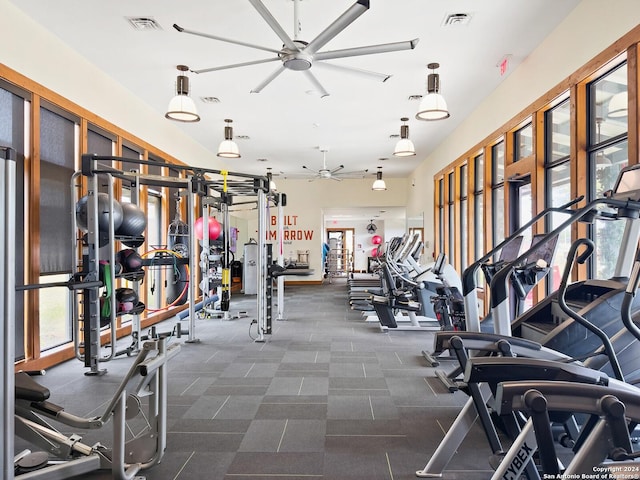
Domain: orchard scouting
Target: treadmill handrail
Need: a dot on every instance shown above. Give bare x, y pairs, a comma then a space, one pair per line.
499, 284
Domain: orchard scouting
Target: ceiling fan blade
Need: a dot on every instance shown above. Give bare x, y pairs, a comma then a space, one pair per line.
354, 174
367, 50
307, 168
342, 22
268, 80
337, 179
382, 77
337, 169
243, 64
273, 23
222, 39
317, 85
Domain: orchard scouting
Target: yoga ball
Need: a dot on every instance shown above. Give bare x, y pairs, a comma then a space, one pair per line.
214, 228
134, 221
103, 213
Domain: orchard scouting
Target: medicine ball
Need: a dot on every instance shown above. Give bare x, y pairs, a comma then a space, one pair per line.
134, 221
215, 228
103, 213
126, 300
130, 260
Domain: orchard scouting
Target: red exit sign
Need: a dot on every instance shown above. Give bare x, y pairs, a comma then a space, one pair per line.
503, 64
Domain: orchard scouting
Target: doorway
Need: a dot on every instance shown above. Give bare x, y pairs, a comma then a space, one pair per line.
339, 260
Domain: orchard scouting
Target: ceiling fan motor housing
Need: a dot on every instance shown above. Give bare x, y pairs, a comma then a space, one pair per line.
296, 60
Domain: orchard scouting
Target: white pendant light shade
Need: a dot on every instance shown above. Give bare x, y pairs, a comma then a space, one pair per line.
618, 105
433, 105
228, 148
182, 107
379, 184
404, 147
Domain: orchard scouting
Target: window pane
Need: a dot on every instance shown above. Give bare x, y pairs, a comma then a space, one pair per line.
559, 193
558, 141
497, 163
55, 324
608, 97
478, 229
608, 235
57, 161
607, 164
523, 143
452, 234
463, 181
479, 168
463, 233
498, 215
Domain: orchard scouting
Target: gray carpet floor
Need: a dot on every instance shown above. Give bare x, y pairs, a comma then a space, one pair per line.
327, 396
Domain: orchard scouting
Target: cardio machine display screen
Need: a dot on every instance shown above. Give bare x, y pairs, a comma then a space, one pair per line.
629, 181
544, 252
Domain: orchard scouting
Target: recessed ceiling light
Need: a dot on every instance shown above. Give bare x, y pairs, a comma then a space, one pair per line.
209, 99
143, 23
382, 159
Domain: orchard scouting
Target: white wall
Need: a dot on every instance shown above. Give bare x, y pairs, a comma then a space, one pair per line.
307, 200
588, 30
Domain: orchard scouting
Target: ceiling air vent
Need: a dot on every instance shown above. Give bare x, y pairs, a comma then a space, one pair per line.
456, 19
242, 137
143, 23
414, 97
209, 99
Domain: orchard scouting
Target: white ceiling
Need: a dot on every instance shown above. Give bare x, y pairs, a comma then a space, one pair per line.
285, 124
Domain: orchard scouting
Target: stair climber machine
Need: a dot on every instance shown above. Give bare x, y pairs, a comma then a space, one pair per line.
483, 376
599, 301
506, 252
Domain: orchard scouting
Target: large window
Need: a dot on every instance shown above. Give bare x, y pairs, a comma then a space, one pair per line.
558, 182
478, 202
608, 154
440, 215
497, 192
13, 125
58, 153
464, 224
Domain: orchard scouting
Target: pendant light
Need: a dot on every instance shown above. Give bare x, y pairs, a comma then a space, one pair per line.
228, 148
379, 184
182, 107
404, 147
433, 106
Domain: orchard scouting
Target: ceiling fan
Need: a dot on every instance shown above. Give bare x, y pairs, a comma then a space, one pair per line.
300, 55
336, 173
